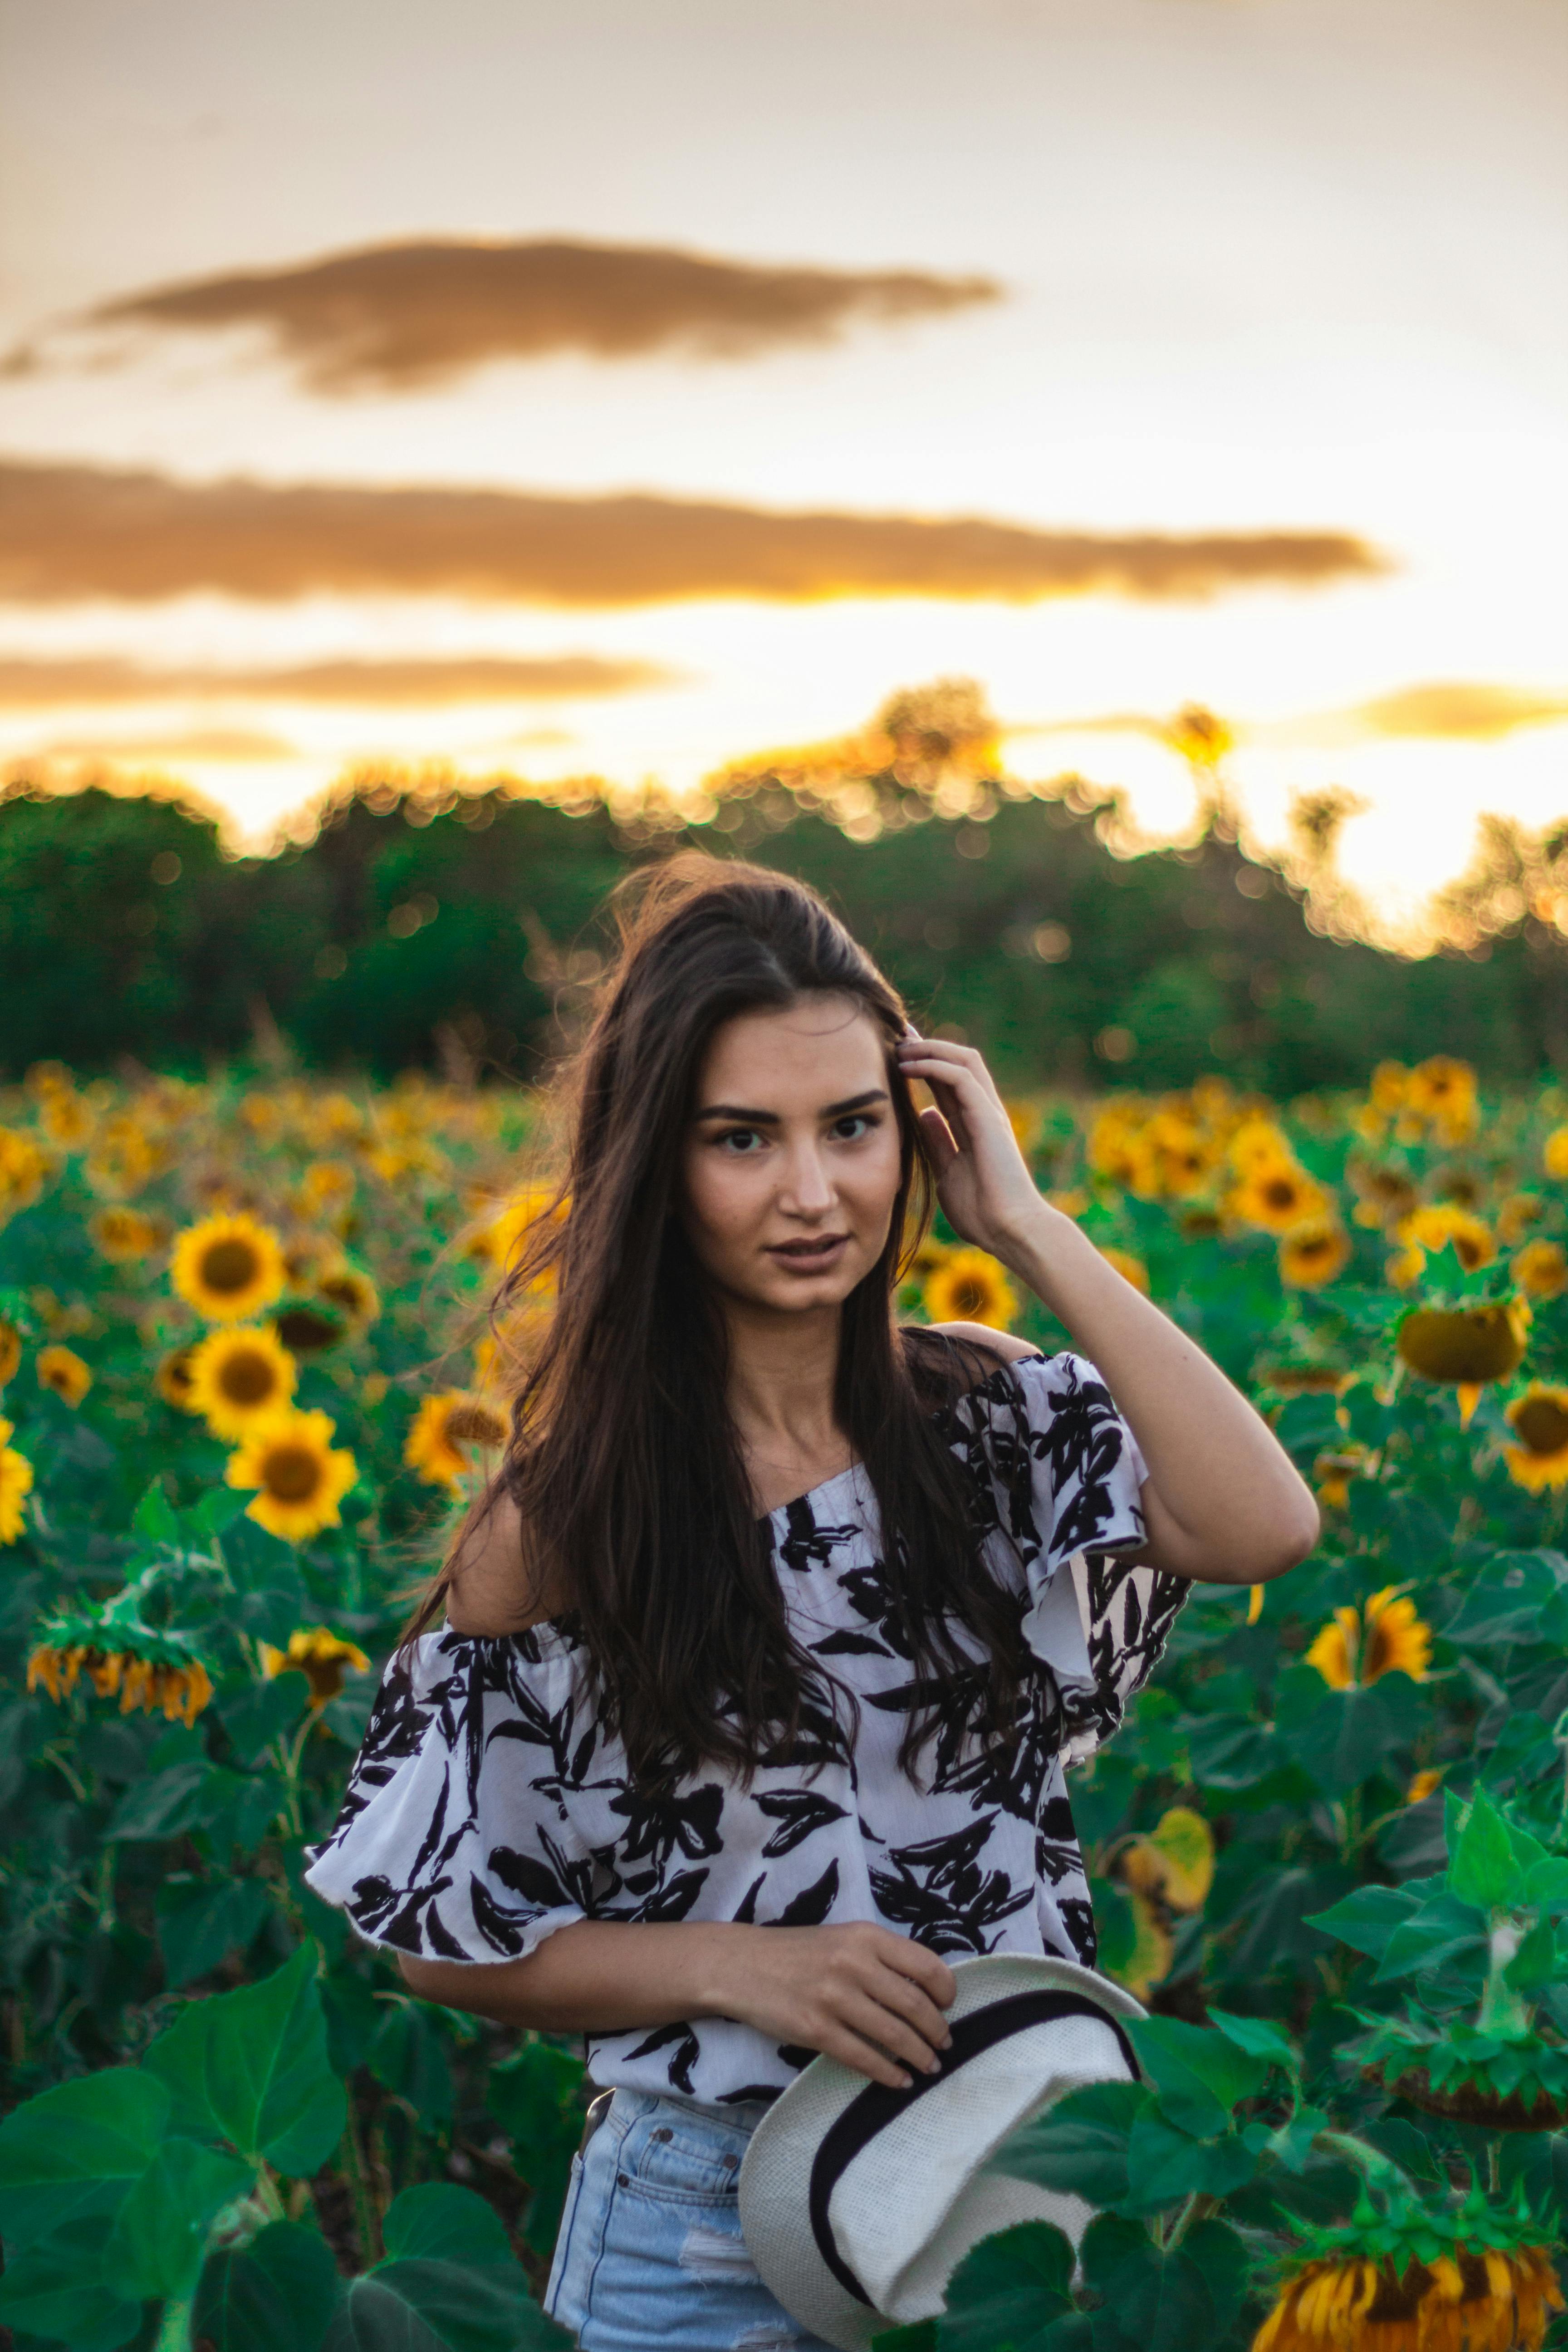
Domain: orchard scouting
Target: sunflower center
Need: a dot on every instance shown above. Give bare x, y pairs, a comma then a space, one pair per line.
292, 1473
475, 1425
1542, 1425
247, 1378
1279, 1192
970, 1297
229, 1265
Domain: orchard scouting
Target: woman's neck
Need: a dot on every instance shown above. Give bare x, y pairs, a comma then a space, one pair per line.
782, 1371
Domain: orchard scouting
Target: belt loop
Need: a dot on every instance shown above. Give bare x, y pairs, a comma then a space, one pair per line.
597, 2110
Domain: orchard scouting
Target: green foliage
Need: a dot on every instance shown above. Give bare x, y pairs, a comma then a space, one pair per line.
405, 934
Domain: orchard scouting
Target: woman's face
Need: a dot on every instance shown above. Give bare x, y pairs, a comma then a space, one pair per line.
791, 1161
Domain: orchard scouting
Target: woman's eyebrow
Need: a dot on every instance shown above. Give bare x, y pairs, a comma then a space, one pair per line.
771, 1117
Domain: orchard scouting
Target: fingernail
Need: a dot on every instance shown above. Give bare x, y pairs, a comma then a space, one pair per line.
906, 2083
946, 2042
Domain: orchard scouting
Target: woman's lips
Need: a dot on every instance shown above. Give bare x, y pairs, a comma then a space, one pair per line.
809, 1257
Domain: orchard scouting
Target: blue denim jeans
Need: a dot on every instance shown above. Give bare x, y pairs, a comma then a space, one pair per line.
650, 2257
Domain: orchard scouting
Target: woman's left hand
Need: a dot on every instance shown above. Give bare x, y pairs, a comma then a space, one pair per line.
986, 1192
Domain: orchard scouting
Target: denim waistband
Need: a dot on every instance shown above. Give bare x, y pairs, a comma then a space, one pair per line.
743, 2116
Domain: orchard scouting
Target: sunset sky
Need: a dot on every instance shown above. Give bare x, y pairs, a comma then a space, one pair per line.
623, 388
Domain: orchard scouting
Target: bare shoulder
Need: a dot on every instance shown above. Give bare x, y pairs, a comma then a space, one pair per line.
493, 1589
980, 1335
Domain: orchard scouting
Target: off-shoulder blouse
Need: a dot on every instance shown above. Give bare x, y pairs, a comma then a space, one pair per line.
489, 1806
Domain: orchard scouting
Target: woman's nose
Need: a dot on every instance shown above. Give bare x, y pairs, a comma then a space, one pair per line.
806, 1189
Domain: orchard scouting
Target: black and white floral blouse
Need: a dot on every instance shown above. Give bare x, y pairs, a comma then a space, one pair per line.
488, 1807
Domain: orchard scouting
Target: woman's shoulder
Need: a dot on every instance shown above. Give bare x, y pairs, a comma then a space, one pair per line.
1004, 1344
492, 1588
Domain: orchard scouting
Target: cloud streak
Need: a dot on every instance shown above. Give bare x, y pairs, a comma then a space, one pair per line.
27, 684
70, 532
414, 316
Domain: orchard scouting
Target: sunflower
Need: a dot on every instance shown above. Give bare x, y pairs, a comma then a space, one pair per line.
346, 1288
305, 1329
1423, 1785
1306, 1379
23, 1169
1149, 1961
1434, 1227
326, 1188
1131, 1269
1464, 1346
1540, 1269
1175, 1860
1115, 1147
1333, 1473
321, 1656
10, 1350
1493, 2300
16, 1485
1539, 1422
66, 1118
1389, 1087
971, 1287
1515, 1216
1360, 1646
1443, 1091
1023, 1118
1554, 1154
301, 1481
440, 1430
122, 1156
1313, 1252
123, 1235
228, 1267
172, 1379
1276, 1194
1386, 1195
502, 1239
1258, 1143
63, 1371
238, 1378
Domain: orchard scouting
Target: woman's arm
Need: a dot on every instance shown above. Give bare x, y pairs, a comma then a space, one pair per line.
861, 1993
1223, 1501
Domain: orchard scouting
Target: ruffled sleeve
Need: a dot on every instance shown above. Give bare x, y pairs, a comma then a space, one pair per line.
1065, 1476
453, 1841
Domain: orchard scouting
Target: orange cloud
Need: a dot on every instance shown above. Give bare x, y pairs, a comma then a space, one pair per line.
405, 317
42, 684
77, 532
1477, 713
200, 743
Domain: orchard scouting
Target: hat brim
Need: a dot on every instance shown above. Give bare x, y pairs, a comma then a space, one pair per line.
777, 2169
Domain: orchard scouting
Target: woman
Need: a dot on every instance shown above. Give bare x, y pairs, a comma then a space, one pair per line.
763, 1656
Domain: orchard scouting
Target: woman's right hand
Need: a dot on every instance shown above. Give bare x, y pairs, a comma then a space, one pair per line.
860, 1993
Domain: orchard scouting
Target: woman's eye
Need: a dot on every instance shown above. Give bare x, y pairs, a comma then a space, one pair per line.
861, 1121
737, 1138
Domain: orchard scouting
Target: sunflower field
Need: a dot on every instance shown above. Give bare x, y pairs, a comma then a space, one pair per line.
247, 1383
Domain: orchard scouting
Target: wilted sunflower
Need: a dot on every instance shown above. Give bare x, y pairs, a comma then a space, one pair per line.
306, 1327
1539, 1422
228, 1267
1540, 1269
62, 1370
237, 1378
1493, 2300
970, 1287
123, 1235
1276, 1194
301, 1481
1464, 1347
1131, 1269
1386, 1195
1313, 1252
1434, 1226
180, 1687
10, 1350
16, 1485
1515, 1216
321, 1656
441, 1429
1359, 1647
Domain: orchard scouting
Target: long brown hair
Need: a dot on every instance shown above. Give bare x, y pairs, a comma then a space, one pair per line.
623, 1459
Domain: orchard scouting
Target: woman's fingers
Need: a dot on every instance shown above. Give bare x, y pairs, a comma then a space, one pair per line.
901, 1994
866, 2059
865, 2016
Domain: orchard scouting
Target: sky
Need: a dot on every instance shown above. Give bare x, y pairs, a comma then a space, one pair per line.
624, 389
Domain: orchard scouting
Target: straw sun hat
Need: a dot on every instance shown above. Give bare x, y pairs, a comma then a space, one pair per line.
858, 2202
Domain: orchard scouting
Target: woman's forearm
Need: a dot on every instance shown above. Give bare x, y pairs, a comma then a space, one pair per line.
598, 1976
1223, 1500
